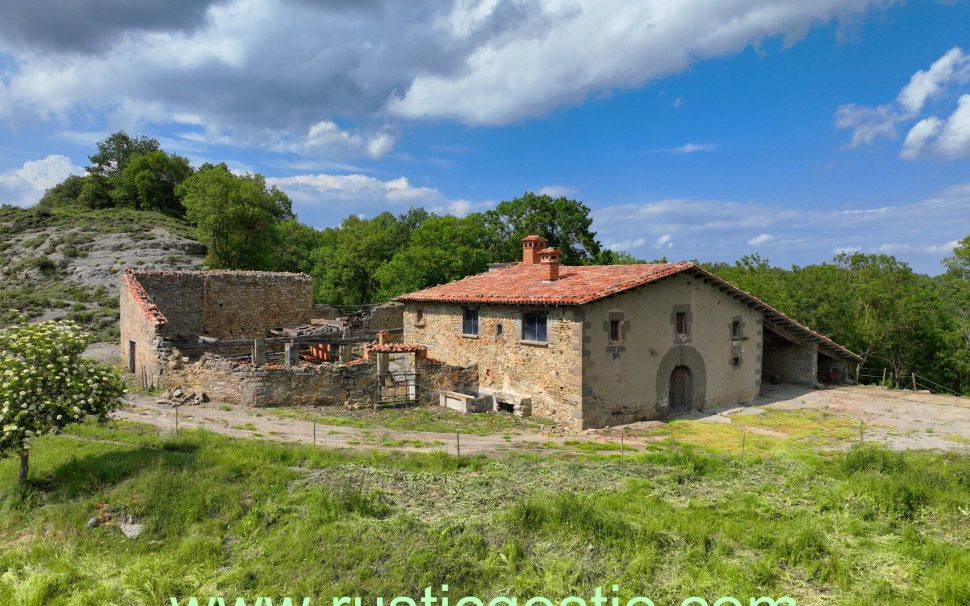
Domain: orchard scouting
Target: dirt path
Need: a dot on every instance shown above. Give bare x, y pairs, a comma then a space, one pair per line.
243, 422
902, 420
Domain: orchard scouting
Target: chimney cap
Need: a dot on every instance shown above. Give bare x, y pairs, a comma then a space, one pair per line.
550, 251
534, 238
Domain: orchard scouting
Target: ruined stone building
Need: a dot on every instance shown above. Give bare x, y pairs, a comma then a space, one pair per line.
245, 337
597, 346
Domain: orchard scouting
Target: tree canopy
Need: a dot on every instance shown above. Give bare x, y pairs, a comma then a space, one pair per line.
235, 216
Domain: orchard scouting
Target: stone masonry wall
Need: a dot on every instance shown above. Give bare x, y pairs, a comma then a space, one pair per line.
549, 373
306, 385
787, 362
228, 305
140, 329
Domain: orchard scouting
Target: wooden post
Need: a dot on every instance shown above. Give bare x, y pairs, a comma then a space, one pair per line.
884, 377
744, 440
314, 431
622, 433
176, 419
858, 370
914, 381
458, 443
862, 426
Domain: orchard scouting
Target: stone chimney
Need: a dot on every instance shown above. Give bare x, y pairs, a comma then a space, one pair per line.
531, 245
549, 260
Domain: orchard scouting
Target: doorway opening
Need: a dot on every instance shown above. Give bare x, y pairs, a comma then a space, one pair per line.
680, 389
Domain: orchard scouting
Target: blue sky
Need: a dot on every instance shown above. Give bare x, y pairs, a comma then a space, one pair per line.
693, 129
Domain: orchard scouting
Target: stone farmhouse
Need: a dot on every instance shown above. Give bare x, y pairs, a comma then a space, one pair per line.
597, 346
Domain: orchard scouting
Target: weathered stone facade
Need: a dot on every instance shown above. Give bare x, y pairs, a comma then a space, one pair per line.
550, 373
327, 384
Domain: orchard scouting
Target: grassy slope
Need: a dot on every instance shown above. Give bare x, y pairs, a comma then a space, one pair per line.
96, 308
249, 517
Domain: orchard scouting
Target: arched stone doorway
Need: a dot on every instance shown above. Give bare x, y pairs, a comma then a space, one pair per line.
684, 364
680, 389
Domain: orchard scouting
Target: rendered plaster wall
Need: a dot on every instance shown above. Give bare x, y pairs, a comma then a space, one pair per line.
549, 373
628, 381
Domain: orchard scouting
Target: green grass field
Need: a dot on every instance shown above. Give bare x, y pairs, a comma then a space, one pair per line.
248, 517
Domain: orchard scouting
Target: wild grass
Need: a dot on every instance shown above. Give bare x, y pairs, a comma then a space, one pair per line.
422, 418
248, 517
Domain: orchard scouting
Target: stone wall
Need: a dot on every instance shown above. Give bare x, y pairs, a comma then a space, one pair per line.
328, 384
139, 330
787, 362
549, 373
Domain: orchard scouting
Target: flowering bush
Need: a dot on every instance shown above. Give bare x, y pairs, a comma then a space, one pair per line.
46, 385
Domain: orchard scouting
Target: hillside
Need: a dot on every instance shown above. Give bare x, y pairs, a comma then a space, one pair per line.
64, 263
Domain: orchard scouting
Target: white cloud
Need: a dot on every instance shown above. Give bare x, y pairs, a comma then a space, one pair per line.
25, 185
265, 71
761, 240
930, 136
557, 191
324, 199
724, 230
689, 148
328, 138
952, 67
539, 64
627, 245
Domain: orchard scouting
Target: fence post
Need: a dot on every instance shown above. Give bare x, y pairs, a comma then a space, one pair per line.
314, 431
458, 443
914, 381
862, 425
176, 419
622, 434
744, 441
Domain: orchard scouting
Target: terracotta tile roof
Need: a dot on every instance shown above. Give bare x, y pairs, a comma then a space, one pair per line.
138, 293
523, 284
395, 347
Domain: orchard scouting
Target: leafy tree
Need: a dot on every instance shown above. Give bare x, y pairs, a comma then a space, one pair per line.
564, 223
46, 385
959, 263
149, 182
95, 193
235, 216
440, 249
116, 151
346, 264
65, 193
295, 244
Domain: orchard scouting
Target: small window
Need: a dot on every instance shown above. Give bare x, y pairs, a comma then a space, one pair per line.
534, 327
469, 324
681, 323
615, 331
736, 361
419, 317
498, 330
736, 329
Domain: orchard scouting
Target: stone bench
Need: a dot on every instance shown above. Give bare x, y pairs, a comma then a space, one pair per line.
463, 402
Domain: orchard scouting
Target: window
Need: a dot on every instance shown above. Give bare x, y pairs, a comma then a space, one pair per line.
534, 327
498, 330
469, 324
736, 329
736, 361
681, 323
419, 317
614, 331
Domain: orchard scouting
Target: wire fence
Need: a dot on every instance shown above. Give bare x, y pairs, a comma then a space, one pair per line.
911, 381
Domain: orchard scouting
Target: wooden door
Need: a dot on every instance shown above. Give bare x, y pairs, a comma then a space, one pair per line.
680, 389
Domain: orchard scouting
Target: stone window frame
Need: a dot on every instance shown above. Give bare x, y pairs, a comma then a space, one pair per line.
737, 351
679, 337
616, 347
478, 325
